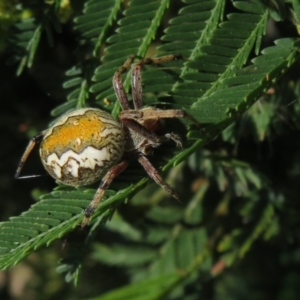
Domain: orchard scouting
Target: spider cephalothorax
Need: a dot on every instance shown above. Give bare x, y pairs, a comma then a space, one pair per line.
88, 144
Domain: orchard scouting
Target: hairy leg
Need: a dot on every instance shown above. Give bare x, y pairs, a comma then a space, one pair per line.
136, 77
111, 174
36, 139
118, 83
150, 135
156, 114
153, 173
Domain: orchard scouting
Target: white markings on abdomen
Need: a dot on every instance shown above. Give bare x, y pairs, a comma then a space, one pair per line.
89, 158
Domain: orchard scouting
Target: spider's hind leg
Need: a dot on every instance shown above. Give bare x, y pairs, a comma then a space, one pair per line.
111, 174
32, 143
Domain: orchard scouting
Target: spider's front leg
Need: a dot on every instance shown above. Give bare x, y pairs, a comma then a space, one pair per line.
136, 77
118, 83
153, 173
104, 184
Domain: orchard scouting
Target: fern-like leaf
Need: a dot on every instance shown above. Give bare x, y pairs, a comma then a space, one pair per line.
97, 19
151, 289
26, 40
213, 88
237, 94
51, 218
28, 32
130, 39
93, 24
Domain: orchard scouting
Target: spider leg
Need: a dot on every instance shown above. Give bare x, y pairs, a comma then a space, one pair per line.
150, 135
175, 138
153, 173
104, 184
118, 83
32, 143
136, 86
168, 114
136, 78
160, 60
141, 130
157, 114
130, 119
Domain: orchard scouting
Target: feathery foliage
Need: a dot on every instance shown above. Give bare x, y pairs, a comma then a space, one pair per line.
167, 249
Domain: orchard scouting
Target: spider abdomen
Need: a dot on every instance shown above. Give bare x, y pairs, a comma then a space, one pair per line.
82, 146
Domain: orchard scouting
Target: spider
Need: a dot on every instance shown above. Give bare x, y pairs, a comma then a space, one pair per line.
88, 144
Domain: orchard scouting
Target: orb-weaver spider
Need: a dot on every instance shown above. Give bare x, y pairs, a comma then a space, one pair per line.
88, 144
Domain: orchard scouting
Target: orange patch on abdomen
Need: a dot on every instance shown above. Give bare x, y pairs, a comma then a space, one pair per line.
74, 130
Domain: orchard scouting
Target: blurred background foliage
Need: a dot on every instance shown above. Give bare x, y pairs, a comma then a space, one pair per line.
239, 227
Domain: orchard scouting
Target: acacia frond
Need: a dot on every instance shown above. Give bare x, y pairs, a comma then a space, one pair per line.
213, 85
